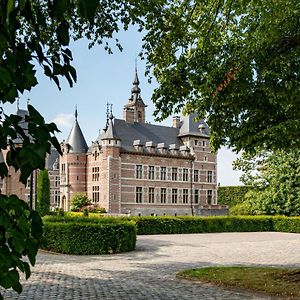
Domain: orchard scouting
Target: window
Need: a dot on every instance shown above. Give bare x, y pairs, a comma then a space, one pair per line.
163, 195
96, 193
138, 194
209, 197
138, 171
196, 175
151, 172
196, 199
196, 142
163, 172
56, 198
185, 175
185, 196
174, 195
203, 144
151, 194
63, 168
174, 173
205, 158
209, 176
95, 174
56, 182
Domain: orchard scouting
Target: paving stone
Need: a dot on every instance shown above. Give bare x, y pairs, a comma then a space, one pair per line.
149, 272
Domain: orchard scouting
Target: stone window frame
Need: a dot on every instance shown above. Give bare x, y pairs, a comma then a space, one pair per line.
174, 174
95, 193
196, 196
151, 172
209, 197
185, 174
196, 175
151, 194
185, 196
163, 173
139, 171
209, 176
163, 195
174, 196
138, 194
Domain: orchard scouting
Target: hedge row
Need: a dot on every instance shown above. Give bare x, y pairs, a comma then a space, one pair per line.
173, 225
232, 195
88, 236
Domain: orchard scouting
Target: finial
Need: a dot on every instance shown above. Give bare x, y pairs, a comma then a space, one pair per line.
28, 101
76, 112
18, 103
135, 61
111, 112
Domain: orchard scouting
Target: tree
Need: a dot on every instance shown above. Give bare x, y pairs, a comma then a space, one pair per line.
43, 193
37, 33
275, 181
79, 200
234, 62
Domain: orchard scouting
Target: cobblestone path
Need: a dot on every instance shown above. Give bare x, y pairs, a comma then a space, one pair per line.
149, 272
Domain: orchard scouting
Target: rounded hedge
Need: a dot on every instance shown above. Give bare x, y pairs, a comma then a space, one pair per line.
83, 236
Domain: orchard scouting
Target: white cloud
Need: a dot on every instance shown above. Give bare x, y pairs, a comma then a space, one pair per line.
63, 121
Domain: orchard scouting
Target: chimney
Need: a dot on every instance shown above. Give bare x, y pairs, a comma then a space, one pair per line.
176, 122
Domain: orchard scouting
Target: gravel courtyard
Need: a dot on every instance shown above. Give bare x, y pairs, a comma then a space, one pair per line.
149, 272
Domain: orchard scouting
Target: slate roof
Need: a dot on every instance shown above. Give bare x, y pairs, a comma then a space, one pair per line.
76, 140
24, 125
51, 158
190, 127
128, 132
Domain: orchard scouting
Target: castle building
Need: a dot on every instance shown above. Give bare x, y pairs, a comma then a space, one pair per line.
138, 168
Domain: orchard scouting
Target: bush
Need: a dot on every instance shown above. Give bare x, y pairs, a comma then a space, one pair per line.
88, 235
241, 209
172, 225
79, 200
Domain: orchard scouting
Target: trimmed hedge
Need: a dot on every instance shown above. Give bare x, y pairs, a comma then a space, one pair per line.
173, 225
232, 195
87, 235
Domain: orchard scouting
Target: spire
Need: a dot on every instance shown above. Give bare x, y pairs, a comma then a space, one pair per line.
110, 133
76, 113
135, 91
76, 140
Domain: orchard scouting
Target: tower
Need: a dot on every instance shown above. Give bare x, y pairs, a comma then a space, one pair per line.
73, 165
134, 110
111, 167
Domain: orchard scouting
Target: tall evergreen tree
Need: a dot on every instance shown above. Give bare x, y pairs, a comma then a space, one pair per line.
43, 193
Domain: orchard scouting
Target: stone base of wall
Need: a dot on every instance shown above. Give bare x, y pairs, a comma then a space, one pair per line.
152, 211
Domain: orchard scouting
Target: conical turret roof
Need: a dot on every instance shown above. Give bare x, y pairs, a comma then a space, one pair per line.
76, 140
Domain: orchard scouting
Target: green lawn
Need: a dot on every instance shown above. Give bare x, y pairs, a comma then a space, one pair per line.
272, 281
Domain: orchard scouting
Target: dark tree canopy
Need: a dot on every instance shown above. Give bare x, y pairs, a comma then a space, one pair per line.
235, 62
43, 193
33, 34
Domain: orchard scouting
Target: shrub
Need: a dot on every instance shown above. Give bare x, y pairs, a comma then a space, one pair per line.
241, 209
88, 235
172, 225
79, 200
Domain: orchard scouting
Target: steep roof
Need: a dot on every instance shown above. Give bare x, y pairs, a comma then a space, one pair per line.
128, 132
190, 127
24, 125
110, 132
76, 140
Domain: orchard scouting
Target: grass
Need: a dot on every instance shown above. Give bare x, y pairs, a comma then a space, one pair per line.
272, 281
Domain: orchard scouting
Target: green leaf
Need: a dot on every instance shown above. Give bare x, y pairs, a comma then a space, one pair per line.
5, 76
60, 7
62, 32
87, 9
9, 7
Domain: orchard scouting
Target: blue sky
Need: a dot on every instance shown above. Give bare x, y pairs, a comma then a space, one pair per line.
102, 78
